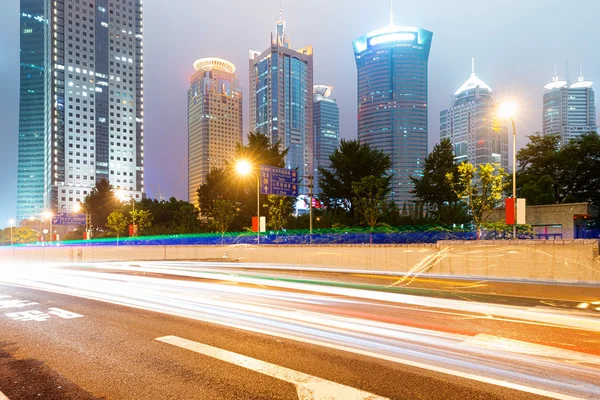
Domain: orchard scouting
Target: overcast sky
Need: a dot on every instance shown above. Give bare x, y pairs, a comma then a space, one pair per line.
516, 44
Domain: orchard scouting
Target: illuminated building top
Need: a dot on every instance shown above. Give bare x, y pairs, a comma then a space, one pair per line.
473, 82
214, 63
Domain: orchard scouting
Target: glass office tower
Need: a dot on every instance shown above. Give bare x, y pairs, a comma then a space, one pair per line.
392, 100
214, 120
31, 161
281, 81
569, 110
326, 128
92, 87
470, 124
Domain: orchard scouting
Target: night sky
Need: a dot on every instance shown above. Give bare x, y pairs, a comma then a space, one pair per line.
515, 44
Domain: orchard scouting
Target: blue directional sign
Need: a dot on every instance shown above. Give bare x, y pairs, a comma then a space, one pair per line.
68, 219
279, 181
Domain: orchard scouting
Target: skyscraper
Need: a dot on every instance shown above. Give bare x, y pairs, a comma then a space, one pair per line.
84, 58
31, 166
214, 120
569, 109
281, 81
392, 100
470, 124
326, 128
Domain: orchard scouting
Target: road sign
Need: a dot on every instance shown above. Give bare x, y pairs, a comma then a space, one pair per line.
279, 181
68, 219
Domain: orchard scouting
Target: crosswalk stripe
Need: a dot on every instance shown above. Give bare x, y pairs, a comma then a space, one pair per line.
308, 387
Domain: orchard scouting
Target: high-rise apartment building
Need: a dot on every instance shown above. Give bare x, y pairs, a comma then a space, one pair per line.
326, 117
392, 100
281, 81
214, 120
470, 124
81, 104
569, 110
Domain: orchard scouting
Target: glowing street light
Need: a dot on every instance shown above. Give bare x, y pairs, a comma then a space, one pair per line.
508, 110
48, 215
125, 197
244, 168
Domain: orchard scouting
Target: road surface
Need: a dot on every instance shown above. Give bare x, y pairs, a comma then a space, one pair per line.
197, 331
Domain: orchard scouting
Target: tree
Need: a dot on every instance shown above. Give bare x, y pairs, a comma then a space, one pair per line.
224, 212
225, 184
350, 163
170, 217
279, 208
19, 236
433, 189
370, 192
116, 223
480, 188
100, 203
551, 172
142, 219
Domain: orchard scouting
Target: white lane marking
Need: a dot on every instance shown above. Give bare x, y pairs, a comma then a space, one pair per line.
297, 338
518, 346
3, 397
26, 316
64, 313
309, 387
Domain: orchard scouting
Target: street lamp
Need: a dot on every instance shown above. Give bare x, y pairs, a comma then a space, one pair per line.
244, 168
124, 197
49, 215
12, 225
508, 110
78, 208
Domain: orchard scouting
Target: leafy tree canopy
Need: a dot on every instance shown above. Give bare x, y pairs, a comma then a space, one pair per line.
350, 163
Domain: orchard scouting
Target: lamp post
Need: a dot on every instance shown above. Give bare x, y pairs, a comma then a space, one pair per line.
507, 110
124, 197
12, 224
244, 168
49, 215
78, 208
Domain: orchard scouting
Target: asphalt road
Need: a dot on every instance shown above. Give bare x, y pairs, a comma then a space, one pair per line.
158, 331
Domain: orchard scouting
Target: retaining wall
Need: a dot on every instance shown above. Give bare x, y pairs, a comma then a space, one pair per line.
564, 261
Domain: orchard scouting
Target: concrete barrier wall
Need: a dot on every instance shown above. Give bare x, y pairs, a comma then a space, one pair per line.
565, 261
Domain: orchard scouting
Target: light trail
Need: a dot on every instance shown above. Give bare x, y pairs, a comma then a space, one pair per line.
303, 312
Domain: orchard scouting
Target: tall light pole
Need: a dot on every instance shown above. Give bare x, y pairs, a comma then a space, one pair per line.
49, 215
507, 110
12, 224
244, 168
123, 196
78, 208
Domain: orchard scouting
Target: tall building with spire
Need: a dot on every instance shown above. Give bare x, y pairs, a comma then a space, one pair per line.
326, 128
214, 120
281, 106
569, 109
81, 102
470, 124
392, 85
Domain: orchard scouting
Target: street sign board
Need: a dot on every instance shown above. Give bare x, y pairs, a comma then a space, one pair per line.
68, 219
279, 181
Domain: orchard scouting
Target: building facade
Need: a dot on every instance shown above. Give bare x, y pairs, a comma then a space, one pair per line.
569, 110
32, 99
326, 122
281, 106
470, 124
214, 120
93, 102
392, 83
